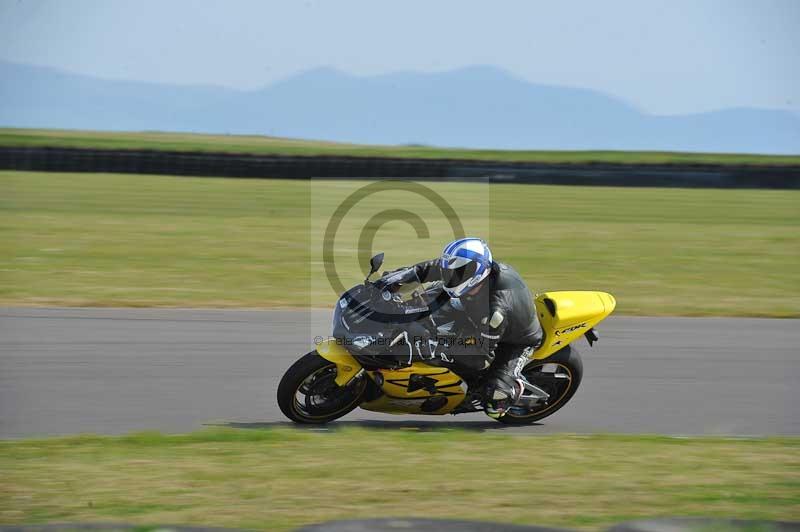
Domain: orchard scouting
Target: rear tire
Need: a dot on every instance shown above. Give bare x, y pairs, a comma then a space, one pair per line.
568, 363
308, 394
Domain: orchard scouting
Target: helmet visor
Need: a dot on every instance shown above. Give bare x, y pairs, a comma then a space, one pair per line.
456, 276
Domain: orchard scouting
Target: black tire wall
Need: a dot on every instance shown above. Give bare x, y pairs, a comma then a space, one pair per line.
286, 167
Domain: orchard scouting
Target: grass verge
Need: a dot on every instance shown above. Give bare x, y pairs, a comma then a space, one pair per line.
127, 240
278, 479
275, 146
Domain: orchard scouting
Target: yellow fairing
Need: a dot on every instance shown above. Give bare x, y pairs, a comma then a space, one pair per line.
566, 316
418, 389
346, 365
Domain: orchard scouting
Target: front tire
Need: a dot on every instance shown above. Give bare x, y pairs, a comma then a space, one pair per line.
308, 394
559, 375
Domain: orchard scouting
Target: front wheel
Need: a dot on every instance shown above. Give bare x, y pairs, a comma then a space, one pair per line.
559, 375
308, 392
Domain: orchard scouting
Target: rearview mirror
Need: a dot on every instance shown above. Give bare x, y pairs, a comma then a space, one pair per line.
375, 263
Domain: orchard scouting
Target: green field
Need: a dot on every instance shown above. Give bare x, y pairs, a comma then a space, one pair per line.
278, 479
126, 240
275, 145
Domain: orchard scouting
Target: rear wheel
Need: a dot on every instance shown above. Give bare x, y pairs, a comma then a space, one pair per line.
559, 375
308, 392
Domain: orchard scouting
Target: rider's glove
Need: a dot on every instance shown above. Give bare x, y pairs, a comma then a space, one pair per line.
391, 280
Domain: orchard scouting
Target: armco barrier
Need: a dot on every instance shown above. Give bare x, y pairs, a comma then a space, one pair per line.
291, 167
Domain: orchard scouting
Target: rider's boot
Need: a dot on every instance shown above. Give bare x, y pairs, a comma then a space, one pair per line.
508, 387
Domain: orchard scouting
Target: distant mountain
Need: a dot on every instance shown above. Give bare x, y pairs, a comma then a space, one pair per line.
480, 107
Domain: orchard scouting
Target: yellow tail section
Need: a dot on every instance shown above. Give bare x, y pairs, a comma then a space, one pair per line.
566, 316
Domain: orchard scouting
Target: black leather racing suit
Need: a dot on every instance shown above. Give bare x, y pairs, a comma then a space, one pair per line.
502, 311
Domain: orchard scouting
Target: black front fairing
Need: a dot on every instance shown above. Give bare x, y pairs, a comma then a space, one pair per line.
366, 321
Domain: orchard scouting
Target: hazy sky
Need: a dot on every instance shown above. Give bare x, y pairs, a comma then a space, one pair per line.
674, 56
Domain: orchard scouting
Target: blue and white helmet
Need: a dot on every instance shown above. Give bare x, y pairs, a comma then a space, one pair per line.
465, 263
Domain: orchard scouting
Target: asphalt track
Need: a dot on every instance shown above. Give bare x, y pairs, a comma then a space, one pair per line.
66, 371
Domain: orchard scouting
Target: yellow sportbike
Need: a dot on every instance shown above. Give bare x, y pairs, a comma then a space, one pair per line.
379, 359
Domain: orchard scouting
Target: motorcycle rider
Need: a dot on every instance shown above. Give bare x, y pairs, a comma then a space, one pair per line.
495, 299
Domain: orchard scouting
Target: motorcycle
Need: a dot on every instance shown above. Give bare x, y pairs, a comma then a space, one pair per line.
371, 361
